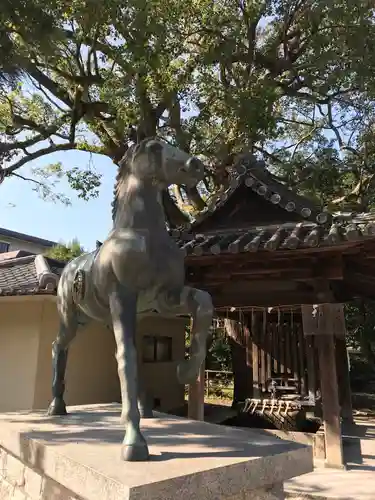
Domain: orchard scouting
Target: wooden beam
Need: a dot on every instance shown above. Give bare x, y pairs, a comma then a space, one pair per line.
249, 359
360, 279
262, 331
343, 378
330, 401
310, 268
351, 248
217, 277
310, 365
240, 341
365, 266
255, 354
272, 298
301, 359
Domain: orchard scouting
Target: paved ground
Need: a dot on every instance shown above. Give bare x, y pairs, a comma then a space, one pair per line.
356, 483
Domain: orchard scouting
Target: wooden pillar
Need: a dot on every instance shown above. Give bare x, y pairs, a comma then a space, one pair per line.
249, 362
310, 365
196, 397
255, 354
343, 378
240, 344
330, 401
319, 321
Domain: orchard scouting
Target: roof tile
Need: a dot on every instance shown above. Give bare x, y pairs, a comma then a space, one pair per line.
290, 236
19, 276
15, 274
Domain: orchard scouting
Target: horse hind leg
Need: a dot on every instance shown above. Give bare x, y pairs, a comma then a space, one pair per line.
67, 332
144, 403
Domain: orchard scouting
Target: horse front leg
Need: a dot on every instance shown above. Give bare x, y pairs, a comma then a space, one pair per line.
123, 306
198, 304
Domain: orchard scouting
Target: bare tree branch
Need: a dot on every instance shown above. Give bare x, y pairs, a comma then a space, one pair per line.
35, 155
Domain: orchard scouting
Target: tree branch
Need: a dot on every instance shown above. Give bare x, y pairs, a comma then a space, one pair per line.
28, 179
35, 155
174, 216
49, 84
303, 139
268, 155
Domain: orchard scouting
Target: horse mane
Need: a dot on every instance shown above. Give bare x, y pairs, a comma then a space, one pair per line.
122, 171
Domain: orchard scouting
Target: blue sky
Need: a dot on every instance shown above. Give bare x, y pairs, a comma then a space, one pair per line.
22, 210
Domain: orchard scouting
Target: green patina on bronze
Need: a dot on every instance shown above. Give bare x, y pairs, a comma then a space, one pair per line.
138, 269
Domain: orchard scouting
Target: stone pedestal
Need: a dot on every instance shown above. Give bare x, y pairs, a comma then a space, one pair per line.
77, 457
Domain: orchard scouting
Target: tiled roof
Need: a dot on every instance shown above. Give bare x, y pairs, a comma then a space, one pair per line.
13, 292
56, 266
317, 228
14, 254
19, 275
28, 275
253, 173
291, 236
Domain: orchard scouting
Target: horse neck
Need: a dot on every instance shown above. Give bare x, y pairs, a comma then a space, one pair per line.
139, 205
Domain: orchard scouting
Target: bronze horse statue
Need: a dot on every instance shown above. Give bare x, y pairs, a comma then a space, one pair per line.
138, 269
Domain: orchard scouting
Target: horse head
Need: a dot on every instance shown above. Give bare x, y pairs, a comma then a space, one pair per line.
164, 164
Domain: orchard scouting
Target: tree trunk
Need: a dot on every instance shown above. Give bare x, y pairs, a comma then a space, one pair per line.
178, 195
174, 216
241, 361
117, 153
195, 198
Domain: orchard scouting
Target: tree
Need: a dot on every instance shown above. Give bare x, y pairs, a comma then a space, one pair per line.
290, 79
37, 24
65, 252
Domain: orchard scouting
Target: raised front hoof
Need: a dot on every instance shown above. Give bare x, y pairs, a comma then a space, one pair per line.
135, 452
187, 373
57, 407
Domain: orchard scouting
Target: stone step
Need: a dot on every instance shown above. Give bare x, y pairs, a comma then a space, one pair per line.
329, 484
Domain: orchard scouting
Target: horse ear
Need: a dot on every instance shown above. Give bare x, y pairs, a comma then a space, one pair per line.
132, 134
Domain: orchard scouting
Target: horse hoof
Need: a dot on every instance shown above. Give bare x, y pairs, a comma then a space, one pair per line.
57, 407
186, 373
146, 413
135, 452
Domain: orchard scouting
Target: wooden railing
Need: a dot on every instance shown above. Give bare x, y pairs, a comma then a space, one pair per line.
209, 379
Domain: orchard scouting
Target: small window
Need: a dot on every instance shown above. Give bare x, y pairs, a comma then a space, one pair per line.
148, 349
4, 247
157, 349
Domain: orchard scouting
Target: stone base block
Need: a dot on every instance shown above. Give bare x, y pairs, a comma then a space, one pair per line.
77, 457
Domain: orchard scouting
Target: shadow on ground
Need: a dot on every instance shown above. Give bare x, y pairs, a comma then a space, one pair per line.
170, 433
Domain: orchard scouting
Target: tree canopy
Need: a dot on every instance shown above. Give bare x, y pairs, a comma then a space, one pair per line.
65, 251
291, 80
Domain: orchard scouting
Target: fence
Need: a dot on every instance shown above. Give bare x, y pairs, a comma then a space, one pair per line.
218, 383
